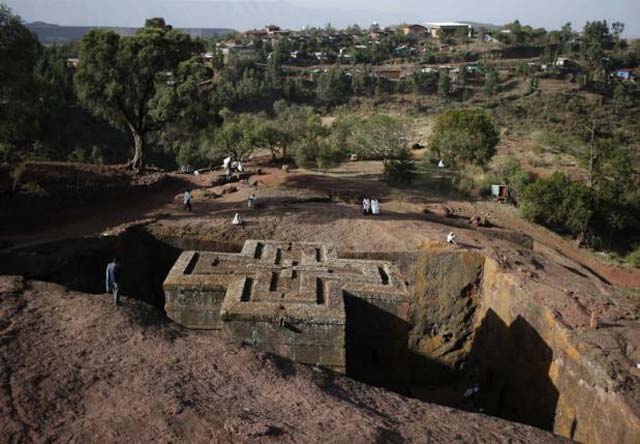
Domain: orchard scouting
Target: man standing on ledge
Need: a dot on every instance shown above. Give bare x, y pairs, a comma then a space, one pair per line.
112, 276
187, 200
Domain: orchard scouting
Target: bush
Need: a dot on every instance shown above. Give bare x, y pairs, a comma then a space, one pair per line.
96, 155
465, 136
444, 84
327, 157
633, 258
492, 83
320, 153
555, 142
8, 152
509, 172
77, 155
558, 203
33, 187
401, 169
188, 155
474, 181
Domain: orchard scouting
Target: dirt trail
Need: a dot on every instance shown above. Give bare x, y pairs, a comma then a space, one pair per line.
95, 219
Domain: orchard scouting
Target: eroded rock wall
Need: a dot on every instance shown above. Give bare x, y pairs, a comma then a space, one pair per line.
544, 373
471, 316
443, 317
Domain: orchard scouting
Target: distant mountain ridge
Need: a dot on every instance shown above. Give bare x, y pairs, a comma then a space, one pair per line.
50, 33
241, 15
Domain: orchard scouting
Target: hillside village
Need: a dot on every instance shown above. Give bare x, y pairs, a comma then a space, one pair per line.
441, 44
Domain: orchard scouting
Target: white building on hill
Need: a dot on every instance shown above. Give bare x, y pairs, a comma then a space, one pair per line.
444, 29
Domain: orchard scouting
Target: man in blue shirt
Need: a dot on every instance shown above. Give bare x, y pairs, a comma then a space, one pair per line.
112, 276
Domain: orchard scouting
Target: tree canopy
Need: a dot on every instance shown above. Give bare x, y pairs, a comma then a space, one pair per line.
465, 136
18, 89
381, 136
135, 81
333, 87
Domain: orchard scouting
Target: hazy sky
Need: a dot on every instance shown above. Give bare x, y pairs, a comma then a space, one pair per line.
240, 14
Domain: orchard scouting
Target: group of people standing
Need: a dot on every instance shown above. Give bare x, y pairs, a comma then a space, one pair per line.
229, 165
370, 206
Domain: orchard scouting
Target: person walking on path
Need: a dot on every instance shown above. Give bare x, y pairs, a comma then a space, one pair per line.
187, 200
251, 201
112, 279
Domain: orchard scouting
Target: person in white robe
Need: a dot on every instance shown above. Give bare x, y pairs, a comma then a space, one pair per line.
366, 206
375, 206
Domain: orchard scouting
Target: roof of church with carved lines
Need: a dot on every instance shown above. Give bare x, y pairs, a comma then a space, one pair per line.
268, 280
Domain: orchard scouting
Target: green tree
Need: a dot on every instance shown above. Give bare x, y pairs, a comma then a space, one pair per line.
444, 84
328, 155
463, 76
401, 169
296, 123
19, 104
193, 113
507, 170
249, 86
378, 137
622, 96
333, 87
268, 134
523, 70
491, 82
361, 82
465, 135
273, 75
596, 39
424, 82
558, 203
235, 137
341, 133
633, 258
53, 73
131, 82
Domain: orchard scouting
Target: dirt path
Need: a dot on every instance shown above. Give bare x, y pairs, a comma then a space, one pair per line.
95, 219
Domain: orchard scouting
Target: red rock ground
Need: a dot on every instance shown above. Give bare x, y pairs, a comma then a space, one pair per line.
75, 369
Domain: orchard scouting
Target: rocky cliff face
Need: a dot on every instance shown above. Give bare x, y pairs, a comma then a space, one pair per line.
507, 333
444, 314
